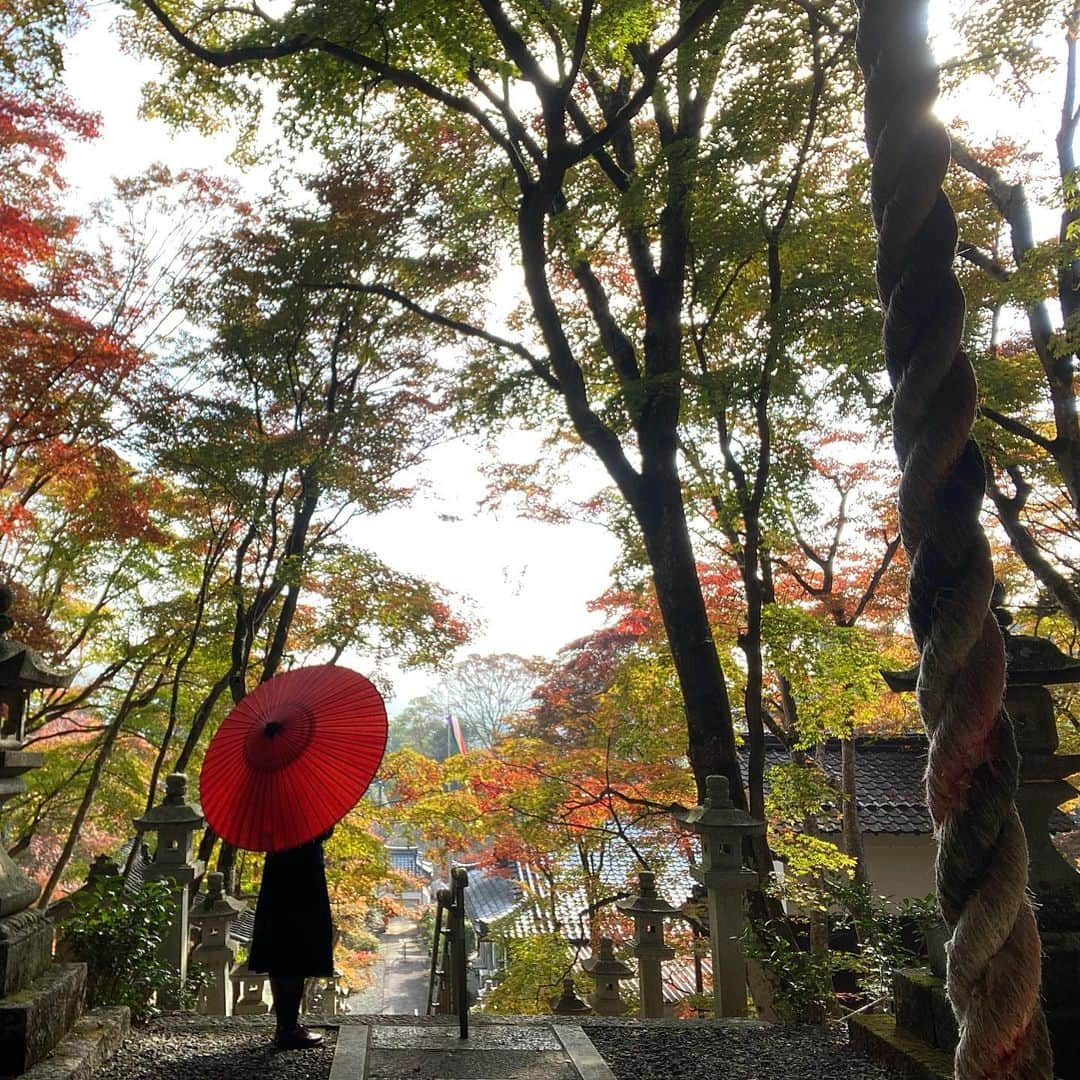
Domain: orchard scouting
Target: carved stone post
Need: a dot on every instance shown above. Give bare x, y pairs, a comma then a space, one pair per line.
606, 972
722, 829
21, 672
214, 915
1055, 883
175, 821
648, 910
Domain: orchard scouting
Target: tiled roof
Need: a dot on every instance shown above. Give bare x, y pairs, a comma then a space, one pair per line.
490, 896
404, 859
889, 785
520, 902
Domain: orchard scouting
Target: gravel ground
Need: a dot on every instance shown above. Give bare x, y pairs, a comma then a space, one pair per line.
166, 1051
183, 1047
690, 1051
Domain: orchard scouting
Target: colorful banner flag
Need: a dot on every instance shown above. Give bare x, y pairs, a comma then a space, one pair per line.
456, 732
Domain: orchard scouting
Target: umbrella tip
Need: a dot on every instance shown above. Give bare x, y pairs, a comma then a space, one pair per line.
272, 728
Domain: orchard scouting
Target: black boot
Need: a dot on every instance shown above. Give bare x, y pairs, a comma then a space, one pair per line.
288, 992
296, 1038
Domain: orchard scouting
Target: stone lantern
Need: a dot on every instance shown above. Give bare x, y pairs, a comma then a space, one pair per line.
723, 828
606, 972
249, 991
175, 821
568, 1003
22, 671
649, 910
214, 916
39, 1000
1033, 664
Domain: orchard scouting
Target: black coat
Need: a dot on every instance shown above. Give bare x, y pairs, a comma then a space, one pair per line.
293, 933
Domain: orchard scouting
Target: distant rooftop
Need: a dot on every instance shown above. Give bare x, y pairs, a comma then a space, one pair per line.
889, 786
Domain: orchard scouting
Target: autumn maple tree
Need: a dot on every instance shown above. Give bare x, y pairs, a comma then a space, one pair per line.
188, 430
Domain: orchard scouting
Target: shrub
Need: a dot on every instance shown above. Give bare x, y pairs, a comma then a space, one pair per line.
534, 973
118, 932
801, 980
363, 942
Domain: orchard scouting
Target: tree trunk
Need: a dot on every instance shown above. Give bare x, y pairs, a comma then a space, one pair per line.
852, 828
710, 733
108, 741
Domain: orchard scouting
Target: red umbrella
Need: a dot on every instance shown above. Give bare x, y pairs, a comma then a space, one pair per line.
293, 758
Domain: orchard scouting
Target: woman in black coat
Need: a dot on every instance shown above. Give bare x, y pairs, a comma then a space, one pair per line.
294, 936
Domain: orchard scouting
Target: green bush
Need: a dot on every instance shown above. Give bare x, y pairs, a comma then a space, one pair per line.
363, 941
535, 969
117, 932
879, 931
801, 980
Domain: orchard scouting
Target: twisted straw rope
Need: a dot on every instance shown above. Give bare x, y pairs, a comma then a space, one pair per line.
994, 955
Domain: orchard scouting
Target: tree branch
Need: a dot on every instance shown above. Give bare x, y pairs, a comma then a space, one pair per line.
539, 367
400, 77
983, 260
1017, 427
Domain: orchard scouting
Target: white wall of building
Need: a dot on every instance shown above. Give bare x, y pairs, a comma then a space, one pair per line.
900, 865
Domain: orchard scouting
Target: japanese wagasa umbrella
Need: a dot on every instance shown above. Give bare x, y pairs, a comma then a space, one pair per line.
293, 758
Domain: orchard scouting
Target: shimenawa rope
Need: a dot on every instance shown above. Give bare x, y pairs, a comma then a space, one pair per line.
994, 964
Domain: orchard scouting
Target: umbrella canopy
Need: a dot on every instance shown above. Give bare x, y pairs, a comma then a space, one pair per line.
293, 758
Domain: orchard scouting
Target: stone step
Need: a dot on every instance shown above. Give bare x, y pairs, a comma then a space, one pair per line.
923, 1009
881, 1038
426, 1052
34, 1020
94, 1039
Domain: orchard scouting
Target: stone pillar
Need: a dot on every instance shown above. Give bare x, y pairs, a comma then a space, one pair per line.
214, 915
606, 972
1032, 664
722, 829
648, 910
175, 821
21, 672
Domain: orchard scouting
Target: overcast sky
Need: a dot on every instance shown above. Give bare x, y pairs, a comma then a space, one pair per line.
528, 582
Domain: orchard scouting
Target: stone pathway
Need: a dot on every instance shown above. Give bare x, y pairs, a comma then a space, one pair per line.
492, 1052
399, 977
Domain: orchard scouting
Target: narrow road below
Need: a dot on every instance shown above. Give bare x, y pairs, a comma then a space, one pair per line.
399, 976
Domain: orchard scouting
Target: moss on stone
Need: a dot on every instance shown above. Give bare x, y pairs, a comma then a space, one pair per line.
879, 1036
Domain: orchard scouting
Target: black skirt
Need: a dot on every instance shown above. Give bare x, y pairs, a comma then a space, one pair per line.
293, 933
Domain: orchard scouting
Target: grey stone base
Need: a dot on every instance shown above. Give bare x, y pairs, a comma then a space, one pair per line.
93, 1040
879, 1037
1061, 986
25, 950
34, 1020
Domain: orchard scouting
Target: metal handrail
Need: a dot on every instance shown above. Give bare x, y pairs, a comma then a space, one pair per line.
450, 978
